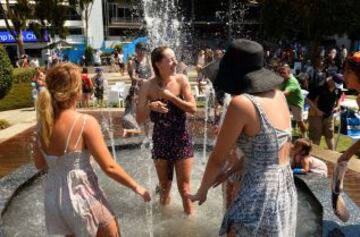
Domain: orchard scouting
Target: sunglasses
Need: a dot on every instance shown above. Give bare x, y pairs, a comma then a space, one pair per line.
355, 57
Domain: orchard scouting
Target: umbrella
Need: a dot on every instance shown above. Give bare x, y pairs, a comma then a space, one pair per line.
210, 70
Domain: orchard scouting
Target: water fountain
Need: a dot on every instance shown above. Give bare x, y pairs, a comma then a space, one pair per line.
137, 218
156, 13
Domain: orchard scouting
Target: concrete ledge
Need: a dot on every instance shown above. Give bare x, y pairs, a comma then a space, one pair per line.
331, 225
332, 156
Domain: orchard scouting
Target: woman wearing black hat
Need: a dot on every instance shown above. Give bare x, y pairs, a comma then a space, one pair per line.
258, 122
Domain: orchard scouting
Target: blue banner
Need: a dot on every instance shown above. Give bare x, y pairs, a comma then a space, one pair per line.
28, 37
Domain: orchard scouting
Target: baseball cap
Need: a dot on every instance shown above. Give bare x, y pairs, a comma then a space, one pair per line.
338, 78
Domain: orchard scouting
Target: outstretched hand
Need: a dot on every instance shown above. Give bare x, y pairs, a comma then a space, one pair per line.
143, 193
198, 197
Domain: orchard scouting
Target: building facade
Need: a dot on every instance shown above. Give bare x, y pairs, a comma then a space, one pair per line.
113, 21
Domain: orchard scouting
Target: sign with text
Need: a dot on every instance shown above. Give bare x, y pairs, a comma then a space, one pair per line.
28, 37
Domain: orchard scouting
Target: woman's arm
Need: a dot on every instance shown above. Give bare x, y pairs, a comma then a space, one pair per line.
305, 163
346, 156
188, 103
38, 157
142, 108
94, 141
229, 132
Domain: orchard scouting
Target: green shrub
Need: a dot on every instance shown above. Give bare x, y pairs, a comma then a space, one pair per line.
18, 97
4, 124
5, 72
22, 75
89, 55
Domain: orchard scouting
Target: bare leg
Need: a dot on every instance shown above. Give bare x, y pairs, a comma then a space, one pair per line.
183, 176
330, 143
302, 127
232, 233
165, 184
110, 230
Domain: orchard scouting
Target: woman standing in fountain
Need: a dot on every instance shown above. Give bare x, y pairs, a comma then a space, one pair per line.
258, 122
74, 202
166, 99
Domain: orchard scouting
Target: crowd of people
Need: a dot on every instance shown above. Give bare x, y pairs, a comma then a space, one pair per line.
253, 155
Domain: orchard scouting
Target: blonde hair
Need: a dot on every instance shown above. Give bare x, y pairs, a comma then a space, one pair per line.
63, 85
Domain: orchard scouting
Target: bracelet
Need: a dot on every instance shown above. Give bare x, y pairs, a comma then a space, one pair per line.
297, 171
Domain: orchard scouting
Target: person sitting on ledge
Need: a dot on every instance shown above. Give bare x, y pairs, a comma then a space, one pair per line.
303, 162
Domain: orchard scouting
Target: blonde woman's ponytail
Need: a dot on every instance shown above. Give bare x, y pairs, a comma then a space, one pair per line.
45, 115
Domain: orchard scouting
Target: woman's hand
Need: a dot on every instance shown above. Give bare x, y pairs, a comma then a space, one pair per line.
158, 106
165, 94
198, 197
223, 176
143, 193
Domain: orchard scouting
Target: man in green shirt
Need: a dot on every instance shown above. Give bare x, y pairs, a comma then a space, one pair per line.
292, 91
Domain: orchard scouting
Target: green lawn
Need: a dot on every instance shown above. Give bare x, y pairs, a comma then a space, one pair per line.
18, 97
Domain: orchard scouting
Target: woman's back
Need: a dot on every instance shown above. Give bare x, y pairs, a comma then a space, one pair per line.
267, 195
61, 139
72, 189
270, 112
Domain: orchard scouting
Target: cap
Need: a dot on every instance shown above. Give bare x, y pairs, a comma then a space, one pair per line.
338, 80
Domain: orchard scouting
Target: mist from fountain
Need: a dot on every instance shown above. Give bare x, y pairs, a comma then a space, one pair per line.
163, 23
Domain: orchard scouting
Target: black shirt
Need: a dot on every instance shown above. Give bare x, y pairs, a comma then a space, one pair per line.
326, 98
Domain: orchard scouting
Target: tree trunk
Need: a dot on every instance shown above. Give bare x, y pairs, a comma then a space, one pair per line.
20, 43
86, 26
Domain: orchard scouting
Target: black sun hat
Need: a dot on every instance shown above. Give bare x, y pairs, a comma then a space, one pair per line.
241, 70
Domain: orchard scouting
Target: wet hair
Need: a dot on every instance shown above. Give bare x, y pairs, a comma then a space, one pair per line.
305, 145
352, 63
156, 56
63, 85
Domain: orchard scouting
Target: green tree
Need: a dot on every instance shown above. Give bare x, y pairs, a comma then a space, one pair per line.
41, 16
310, 20
6, 70
16, 18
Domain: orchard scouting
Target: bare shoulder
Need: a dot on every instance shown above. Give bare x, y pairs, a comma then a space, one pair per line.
240, 102
91, 123
182, 79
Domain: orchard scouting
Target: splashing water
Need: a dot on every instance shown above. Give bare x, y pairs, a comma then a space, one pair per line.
163, 23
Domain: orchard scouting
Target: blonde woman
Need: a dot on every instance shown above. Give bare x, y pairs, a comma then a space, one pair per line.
74, 202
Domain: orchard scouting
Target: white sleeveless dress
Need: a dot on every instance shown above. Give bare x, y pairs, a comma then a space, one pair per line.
74, 202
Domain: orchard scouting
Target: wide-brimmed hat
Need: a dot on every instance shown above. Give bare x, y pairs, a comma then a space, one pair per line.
242, 70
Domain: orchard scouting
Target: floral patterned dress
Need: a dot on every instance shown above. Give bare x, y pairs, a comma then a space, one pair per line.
171, 140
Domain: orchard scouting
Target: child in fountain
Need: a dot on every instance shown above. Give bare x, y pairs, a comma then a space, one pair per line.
74, 203
303, 162
129, 124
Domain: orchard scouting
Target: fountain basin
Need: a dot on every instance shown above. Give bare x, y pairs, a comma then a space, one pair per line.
21, 197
